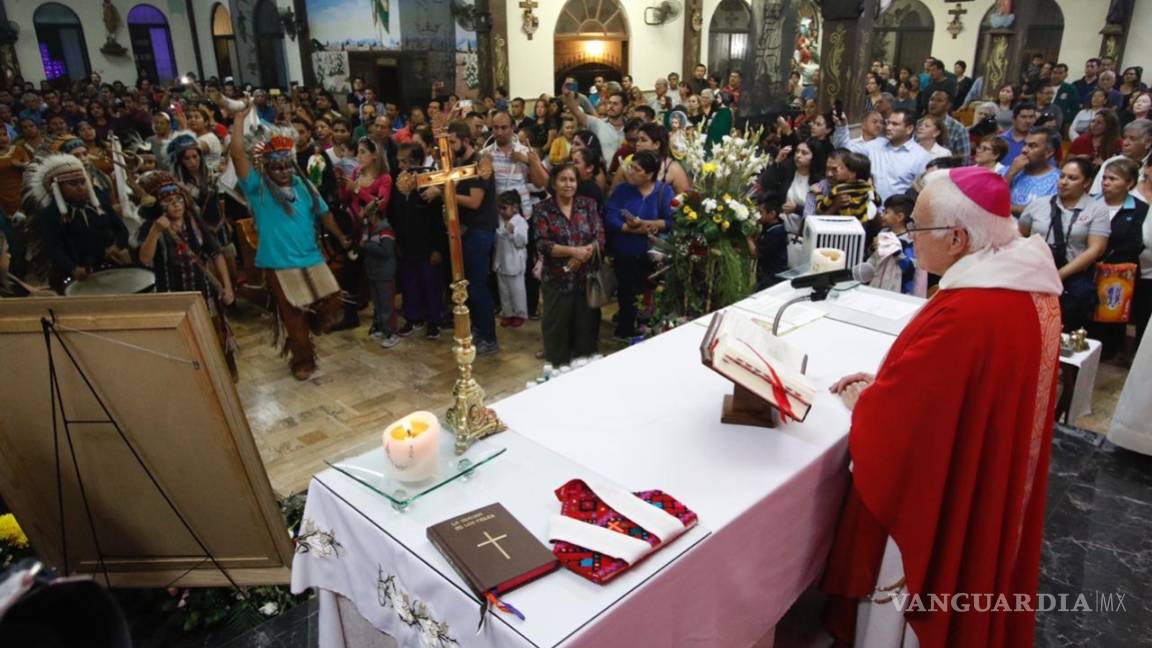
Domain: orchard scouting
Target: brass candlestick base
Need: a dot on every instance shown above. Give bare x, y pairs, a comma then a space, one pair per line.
468, 417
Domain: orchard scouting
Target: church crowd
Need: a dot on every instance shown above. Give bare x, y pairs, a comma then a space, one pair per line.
1075, 155
150, 176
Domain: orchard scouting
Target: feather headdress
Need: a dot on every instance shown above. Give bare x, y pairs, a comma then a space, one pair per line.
159, 184
42, 180
268, 142
67, 144
181, 141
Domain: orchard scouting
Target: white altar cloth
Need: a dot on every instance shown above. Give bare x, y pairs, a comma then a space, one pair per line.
647, 417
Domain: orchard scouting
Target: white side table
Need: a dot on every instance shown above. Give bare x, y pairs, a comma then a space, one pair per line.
1078, 377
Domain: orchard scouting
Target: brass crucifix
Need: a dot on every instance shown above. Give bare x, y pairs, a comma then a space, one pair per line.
468, 417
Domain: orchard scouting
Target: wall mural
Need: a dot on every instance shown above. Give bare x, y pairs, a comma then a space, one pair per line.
354, 24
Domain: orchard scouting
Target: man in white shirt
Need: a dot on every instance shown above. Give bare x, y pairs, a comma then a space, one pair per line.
610, 129
514, 166
897, 160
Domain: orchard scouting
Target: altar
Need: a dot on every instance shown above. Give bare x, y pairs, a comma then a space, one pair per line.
647, 417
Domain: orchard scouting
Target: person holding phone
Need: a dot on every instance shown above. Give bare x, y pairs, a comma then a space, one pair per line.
637, 209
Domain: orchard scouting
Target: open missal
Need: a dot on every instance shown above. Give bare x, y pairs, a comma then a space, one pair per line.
491, 550
761, 365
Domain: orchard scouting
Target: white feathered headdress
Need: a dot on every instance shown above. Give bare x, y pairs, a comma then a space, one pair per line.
42, 180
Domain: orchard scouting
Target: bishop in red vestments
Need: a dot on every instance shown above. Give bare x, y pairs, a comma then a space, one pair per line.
950, 440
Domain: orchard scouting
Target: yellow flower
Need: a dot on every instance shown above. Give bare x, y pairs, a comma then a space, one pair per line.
717, 219
11, 533
691, 216
725, 225
709, 167
727, 197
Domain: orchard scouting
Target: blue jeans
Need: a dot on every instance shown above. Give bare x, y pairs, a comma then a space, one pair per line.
478, 245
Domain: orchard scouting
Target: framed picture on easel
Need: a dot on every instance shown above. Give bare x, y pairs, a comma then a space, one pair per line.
124, 450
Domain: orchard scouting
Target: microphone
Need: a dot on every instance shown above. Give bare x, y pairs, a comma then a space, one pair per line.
821, 284
862, 272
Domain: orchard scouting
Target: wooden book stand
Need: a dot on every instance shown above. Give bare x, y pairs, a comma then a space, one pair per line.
743, 407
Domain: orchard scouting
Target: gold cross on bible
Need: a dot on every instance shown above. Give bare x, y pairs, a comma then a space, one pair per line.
468, 418
492, 541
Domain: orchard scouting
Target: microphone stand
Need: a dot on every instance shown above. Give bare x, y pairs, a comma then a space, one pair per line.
820, 291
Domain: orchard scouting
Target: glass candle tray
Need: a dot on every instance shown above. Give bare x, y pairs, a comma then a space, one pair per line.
373, 470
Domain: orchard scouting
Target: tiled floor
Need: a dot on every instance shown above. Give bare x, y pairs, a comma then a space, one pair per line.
359, 388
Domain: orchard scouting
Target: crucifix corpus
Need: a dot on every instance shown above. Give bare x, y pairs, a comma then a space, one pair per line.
956, 26
468, 417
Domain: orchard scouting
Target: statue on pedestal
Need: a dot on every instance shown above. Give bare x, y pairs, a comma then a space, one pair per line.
112, 25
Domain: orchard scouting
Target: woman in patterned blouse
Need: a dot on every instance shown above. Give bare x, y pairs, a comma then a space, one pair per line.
568, 236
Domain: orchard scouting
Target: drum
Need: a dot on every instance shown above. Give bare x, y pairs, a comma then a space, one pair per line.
114, 281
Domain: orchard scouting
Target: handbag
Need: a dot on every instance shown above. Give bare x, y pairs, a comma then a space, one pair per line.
1115, 283
601, 281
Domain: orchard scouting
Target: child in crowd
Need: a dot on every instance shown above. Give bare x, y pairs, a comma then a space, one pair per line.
378, 247
893, 256
511, 259
562, 145
772, 244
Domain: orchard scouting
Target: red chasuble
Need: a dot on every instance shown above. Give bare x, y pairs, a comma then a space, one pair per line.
950, 451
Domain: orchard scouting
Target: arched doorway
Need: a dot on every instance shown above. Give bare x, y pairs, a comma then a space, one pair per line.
729, 32
270, 46
61, 39
903, 35
591, 39
151, 44
224, 42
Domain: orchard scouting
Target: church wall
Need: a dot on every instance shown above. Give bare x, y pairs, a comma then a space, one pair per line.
291, 49
91, 15
1083, 20
1138, 51
203, 15
653, 51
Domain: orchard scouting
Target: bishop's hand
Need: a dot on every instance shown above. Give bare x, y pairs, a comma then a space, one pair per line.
860, 377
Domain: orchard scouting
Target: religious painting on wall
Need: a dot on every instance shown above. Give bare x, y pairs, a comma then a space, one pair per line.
355, 24
332, 70
806, 56
467, 43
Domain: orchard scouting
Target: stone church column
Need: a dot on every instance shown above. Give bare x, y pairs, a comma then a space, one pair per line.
693, 35
1005, 46
243, 14
1115, 33
845, 53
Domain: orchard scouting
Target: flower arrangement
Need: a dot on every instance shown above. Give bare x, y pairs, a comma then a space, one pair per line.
13, 543
708, 255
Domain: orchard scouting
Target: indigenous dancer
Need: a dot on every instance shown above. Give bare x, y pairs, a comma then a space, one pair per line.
179, 247
286, 208
79, 233
188, 162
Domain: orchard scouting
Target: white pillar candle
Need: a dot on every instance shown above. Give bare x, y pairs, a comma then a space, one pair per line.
412, 447
827, 260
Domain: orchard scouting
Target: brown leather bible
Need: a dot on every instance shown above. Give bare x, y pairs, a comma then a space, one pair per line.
492, 550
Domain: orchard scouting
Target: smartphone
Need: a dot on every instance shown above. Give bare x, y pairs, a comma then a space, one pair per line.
274, 92
572, 86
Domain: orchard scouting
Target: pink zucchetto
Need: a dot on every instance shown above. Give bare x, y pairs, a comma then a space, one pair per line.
985, 188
